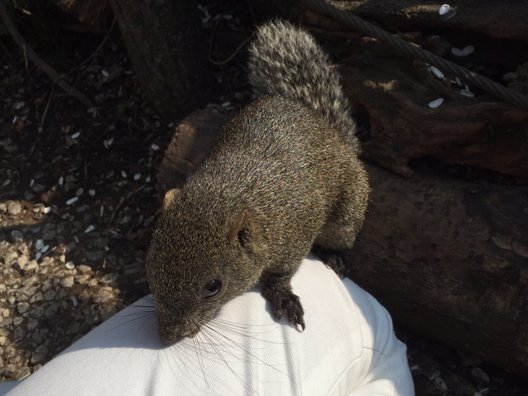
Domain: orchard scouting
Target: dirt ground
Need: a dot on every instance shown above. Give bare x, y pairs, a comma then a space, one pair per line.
78, 202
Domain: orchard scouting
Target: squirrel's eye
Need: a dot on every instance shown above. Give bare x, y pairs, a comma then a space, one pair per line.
212, 288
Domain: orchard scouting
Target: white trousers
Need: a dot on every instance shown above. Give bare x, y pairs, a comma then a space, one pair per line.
348, 348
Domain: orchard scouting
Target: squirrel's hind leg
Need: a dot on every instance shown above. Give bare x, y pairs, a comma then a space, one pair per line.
342, 227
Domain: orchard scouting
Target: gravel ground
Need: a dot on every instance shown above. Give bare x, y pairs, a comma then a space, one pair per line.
78, 200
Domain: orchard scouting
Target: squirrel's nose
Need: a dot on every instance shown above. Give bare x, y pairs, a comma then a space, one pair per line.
168, 336
171, 334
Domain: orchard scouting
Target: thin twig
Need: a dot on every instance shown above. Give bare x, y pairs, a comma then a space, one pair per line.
5, 49
230, 57
42, 119
26, 63
120, 204
38, 61
92, 57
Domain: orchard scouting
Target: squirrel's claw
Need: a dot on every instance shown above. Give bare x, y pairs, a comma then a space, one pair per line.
285, 301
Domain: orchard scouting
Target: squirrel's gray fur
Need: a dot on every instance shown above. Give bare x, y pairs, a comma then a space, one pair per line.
283, 59
284, 175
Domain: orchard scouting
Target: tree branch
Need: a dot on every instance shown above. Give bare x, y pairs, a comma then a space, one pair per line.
38, 61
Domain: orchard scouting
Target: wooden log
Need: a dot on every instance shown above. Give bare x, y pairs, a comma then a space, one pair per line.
448, 258
167, 48
392, 92
493, 18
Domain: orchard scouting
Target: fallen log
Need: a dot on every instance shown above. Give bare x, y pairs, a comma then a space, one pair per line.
391, 92
448, 258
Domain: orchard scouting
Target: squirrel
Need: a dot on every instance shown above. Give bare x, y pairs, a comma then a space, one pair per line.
284, 176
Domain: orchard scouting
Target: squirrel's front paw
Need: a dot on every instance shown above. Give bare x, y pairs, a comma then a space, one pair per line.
286, 302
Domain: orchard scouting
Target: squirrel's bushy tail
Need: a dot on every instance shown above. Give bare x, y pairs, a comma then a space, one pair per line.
285, 60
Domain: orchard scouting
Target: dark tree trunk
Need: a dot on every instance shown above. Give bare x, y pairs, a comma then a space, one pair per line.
168, 51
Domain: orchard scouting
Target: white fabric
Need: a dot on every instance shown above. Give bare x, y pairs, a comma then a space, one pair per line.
348, 348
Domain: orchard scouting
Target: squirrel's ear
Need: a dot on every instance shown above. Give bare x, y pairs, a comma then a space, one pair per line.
241, 228
170, 196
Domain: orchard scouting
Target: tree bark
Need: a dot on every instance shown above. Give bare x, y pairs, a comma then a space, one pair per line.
448, 258
167, 48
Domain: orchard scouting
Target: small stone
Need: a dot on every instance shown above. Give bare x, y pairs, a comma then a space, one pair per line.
103, 296
22, 262
40, 354
67, 282
18, 105
82, 279
91, 192
108, 142
49, 234
437, 72
94, 256
480, 376
36, 297
17, 235
84, 269
38, 188
49, 295
14, 208
32, 265
73, 328
71, 201
39, 244
154, 147
3, 207
467, 93
38, 312
51, 310
70, 265
444, 9
32, 324
435, 103
468, 50
110, 278
459, 385
89, 229
18, 320
22, 307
